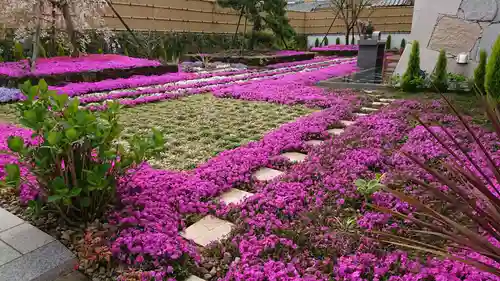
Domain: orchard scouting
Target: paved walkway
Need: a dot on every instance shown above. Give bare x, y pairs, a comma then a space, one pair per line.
28, 254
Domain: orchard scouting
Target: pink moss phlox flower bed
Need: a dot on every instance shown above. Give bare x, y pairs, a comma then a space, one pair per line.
336, 48
294, 63
61, 65
290, 89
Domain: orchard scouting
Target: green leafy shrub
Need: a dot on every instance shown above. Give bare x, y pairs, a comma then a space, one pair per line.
388, 42
492, 77
367, 188
337, 41
100, 51
18, 51
403, 44
80, 159
440, 75
410, 77
326, 41
480, 72
316, 43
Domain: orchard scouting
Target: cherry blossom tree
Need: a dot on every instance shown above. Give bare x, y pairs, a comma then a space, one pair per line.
33, 18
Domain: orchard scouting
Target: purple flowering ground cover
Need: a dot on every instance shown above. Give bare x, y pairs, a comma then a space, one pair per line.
306, 226
309, 224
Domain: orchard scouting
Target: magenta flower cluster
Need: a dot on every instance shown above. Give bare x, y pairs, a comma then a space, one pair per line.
336, 48
59, 65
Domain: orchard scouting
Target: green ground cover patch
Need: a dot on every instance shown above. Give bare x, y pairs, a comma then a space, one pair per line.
198, 127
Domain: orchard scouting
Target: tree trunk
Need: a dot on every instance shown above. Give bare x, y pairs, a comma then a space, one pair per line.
347, 37
244, 36
237, 28
36, 38
70, 28
53, 50
110, 4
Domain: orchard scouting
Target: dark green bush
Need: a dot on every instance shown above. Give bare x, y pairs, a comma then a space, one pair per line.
316, 43
337, 41
388, 42
412, 74
403, 44
440, 75
492, 78
80, 160
326, 41
480, 73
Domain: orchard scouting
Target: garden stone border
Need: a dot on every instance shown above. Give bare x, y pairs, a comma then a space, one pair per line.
252, 60
29, 254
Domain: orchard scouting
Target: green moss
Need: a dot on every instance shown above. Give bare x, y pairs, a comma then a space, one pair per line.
198, 127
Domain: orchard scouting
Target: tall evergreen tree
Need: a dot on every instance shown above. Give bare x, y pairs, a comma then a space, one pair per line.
492, 79
413, 71
388, 42
480, 73
440, 75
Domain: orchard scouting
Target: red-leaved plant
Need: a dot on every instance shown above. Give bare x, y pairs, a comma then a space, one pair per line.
472, 195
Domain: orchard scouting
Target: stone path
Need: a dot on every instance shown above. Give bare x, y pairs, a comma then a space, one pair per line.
27, 253
212, 229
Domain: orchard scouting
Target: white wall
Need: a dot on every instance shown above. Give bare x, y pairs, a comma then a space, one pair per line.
395, 38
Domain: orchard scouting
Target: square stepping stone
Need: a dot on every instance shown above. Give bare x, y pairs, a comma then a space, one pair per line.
386, 100
376, 103
25, 238
267, 174
314, 142
335, 132
295, 156
368, 91
346, 123
7, 253
207, 230
369, 109
8, 220
359, 114
235, 196
194, 278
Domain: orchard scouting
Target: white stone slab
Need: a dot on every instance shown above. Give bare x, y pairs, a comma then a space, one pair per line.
359, 114
25, 238
235, 196
267, 174
346, 123
194, 278
295, 156
314, 142
376, 103
386, 100
369, 109
336, 131
8, 220
207, 230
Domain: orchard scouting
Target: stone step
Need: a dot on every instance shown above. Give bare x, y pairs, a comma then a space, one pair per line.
360, 114
208, 230
335, 132
346, 123
234, 196
380, 104
386, 100
267, 174
314, 142
194, 278
295, 156
369, 109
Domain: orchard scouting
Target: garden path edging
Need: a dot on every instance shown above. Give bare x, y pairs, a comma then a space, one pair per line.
29, 254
